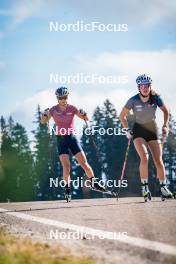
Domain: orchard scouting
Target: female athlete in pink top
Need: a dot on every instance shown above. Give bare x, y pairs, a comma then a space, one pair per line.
63, 115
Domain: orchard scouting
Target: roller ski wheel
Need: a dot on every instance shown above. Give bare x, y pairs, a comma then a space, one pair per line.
68, 198
147, 197
166, 193
112, 193
145, 192
163, 197
95, 186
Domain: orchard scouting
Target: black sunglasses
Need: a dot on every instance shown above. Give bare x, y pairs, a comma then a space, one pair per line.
62, 97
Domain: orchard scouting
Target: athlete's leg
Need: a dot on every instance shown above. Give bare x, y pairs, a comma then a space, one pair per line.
156, 151
64, 158
141, 148
80, 156
81, 159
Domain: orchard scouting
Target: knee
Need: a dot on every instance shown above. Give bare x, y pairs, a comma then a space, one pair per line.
159, 162
84, 164
144, 158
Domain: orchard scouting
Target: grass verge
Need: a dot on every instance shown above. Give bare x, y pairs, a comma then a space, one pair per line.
15, 250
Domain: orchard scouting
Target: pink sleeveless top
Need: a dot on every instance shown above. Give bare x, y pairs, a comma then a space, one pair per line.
63, 119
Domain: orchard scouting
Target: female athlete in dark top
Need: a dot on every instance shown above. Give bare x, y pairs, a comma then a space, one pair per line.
145, 132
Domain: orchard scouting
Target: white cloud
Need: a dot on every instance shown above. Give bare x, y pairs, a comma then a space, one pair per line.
21, 10
160, 65
131, 12
159, 10
134, 12
24, 112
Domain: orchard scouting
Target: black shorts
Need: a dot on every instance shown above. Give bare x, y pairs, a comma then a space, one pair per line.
148, 131
68, 143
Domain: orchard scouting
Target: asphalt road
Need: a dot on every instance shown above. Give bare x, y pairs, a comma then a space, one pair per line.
129, 230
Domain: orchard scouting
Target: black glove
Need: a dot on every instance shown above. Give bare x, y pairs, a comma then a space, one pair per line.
82, 112
45, 112
129, 133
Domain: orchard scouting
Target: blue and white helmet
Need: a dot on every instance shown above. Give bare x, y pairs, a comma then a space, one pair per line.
61, 91
143, 79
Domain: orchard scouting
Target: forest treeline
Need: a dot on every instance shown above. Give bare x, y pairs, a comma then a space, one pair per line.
26, 173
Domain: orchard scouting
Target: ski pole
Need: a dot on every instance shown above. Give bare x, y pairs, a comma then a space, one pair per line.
95, 147
51, 132
124, 166
91, 137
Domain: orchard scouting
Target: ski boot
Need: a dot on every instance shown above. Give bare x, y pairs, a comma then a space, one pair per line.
165, 193
145, 192
95, 186
68, 195
174, 194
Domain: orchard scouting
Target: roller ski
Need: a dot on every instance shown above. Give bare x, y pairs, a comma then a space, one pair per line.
146, 193
166, 193
68, 195
95, 186
68, 198
147, 196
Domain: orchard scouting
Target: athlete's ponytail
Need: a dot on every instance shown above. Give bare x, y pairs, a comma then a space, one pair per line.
153, 95
153, 92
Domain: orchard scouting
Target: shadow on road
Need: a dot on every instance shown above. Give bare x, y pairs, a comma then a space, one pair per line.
81, 206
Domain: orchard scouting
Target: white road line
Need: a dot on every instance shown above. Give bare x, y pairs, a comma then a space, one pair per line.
135, 241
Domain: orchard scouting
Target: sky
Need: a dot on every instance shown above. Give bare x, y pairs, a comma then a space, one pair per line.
30, 53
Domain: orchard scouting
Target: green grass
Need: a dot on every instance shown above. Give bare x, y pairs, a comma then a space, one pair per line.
15, 250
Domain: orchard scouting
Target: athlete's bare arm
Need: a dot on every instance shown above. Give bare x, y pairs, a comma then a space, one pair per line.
123, 117
166, 114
